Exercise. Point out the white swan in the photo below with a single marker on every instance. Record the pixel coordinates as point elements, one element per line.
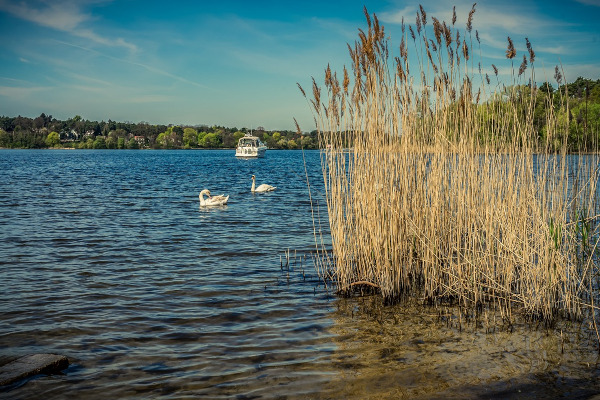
<point>212,200</point>
<point>262,188</point>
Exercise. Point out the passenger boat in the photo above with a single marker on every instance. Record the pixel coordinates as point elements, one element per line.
<point>250,146</point>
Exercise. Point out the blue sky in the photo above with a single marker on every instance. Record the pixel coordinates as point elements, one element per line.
<point>237,63</point>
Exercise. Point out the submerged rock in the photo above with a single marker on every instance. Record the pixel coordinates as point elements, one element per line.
<point>30,365</point>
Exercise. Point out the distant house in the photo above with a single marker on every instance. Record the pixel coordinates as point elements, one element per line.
<point>141,140</point>
<point>69,135</point>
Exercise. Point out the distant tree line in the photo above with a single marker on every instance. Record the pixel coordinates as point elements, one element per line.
<point>582,119</point>
<point>579,122</point>
<point>48,132</point>
<point>584,113</point>
<point>576,106</point>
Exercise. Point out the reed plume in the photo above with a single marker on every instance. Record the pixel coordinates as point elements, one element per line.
<point>557,75</point>
<point>470,18</point>
<point>423,15</point>
<point>523,66</point>
<point>530,50</point>
<point>510,51</point>
<point>439,189</point>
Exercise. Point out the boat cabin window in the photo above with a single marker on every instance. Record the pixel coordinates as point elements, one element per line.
<point>251,143</point>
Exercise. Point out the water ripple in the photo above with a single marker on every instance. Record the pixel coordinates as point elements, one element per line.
<point>107,257</point>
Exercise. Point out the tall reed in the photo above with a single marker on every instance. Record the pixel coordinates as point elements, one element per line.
<point>438,185</point>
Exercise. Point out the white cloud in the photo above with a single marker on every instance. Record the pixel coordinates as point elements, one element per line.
<point>553,50</point>
<point>573,71</point>
<point>63,15</point>
<point>494,22</point>
<point>395,17</point>
<point>509,18</point>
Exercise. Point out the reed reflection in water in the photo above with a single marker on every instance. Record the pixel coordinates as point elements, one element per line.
<point>412,352</point>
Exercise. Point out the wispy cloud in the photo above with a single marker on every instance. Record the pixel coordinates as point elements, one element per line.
<point>141,65</point>
<point>152,98</point>
<point>20,81</point>
<point>595,3</point>
<point>493,22</point>
<point>552,35</point>
<point>20,92</point>
<point>119,42</point>
<point>508,18</point>
<point>88,79</point>
<point>572,70</point>
<point>90,89</point>
<point>275,47</point>
<point>62,15</point>
<point>406,14</point>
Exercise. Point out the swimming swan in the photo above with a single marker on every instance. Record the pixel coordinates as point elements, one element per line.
<point>212,200</point>
<point>262,188</point>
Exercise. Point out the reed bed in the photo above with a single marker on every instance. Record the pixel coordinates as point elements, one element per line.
<point>439,187</point>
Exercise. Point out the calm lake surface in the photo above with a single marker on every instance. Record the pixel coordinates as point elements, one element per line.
<point>106,257</point>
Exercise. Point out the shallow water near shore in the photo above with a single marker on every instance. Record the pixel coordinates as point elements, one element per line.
<point>106,257</point>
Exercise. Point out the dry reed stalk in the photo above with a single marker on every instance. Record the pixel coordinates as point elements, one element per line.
<point>432,193</point>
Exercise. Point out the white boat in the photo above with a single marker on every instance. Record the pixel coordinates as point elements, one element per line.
<point>250,146</point>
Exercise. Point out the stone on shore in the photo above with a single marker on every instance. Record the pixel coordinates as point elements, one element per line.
<point>30,365</point>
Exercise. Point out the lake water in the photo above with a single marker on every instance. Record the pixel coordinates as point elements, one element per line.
<point>106,257</point>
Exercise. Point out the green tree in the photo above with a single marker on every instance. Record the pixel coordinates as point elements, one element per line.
<point>170,138</point>
<point>4,138</point>
<point>53,139</point>
<point>237,136</point>
<point>282,144</point>
<point>121,143</point>
<point>307,142</point>
<point>119,132</point>
<point>595,94</point>
<point>546,88</point>
<point>190,137</point>
<point>162,140</point>
<point>211,140</point>
<point>201,136</point>
<point>133,144</point>
<point>99,143</point>
<point>228,139</point>
<point>266,137</point>
<point>111,142</point>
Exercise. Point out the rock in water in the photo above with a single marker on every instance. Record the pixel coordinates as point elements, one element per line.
<point>32,364</point>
